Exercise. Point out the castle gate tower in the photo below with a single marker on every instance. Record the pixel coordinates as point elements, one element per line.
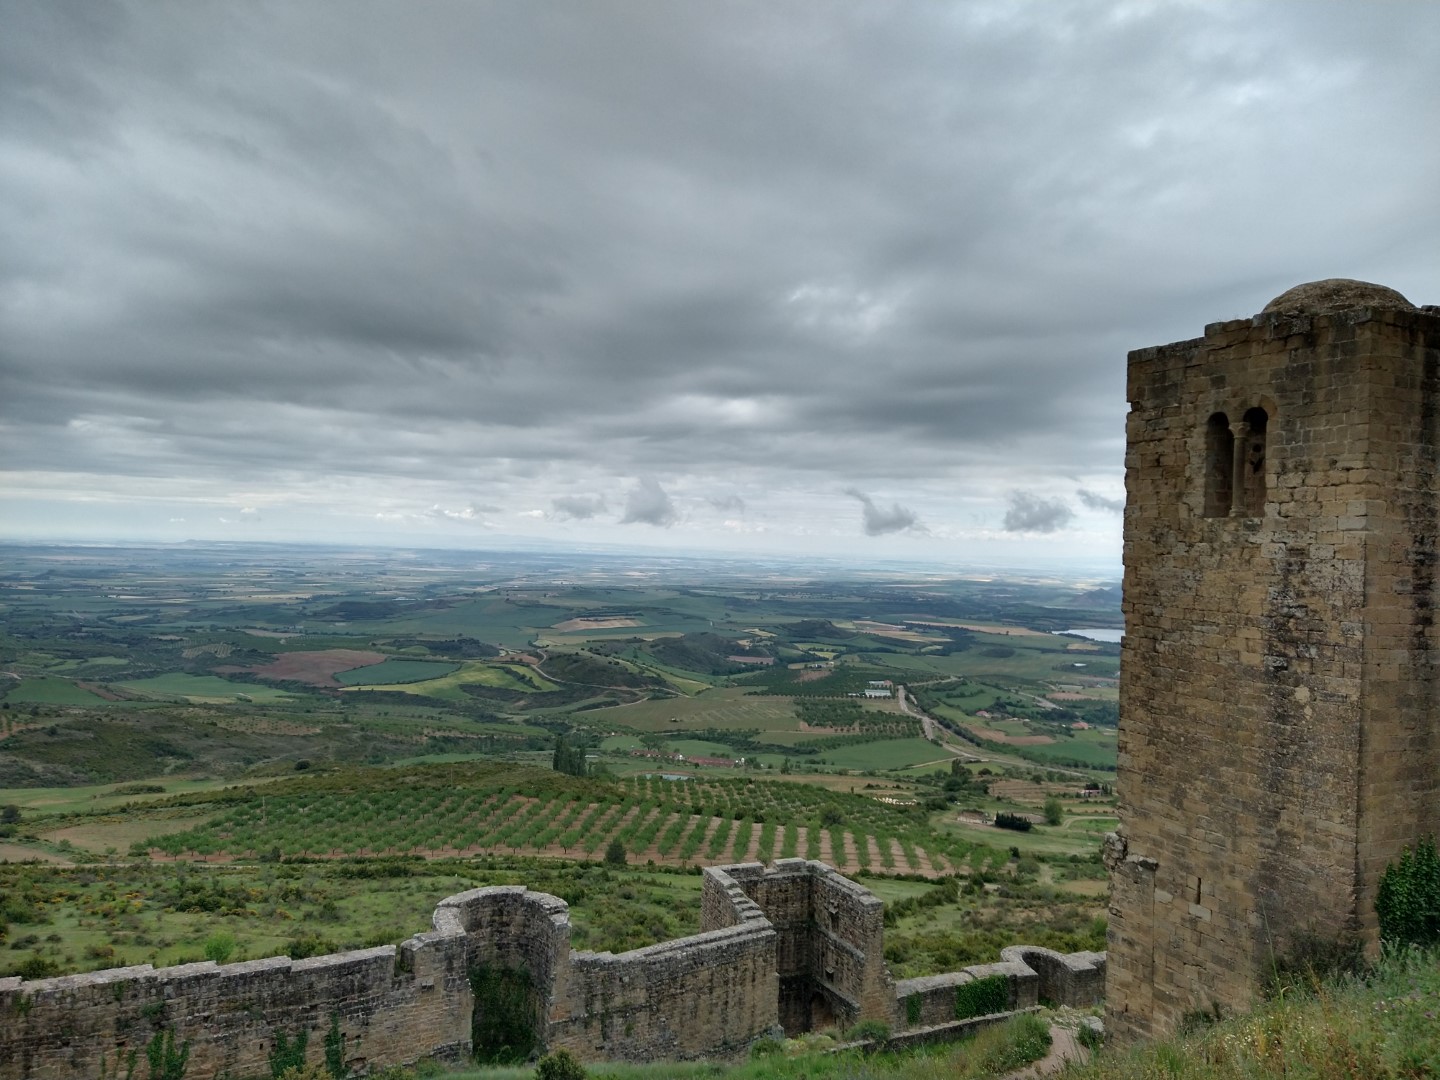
<point>1279,722</point>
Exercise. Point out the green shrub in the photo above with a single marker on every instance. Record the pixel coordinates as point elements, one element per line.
<point>912,1009</point>
<point>1054,811</point>
<point>982,997</point>
<point>308,944</point>
<point>220,946</point>
<point>36,967</point>
<point>767,1046</point>
<point>1408,901</point>
<point>876,1031</point>
<point>559,1065</point>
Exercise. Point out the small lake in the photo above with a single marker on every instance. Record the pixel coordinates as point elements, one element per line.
<point>1095,633</point>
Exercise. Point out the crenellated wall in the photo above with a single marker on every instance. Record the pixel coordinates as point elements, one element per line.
<point>796,946</point>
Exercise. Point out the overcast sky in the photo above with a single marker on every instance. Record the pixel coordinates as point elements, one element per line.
<point>855,278</point>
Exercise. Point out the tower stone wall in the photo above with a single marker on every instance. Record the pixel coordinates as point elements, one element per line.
<point>1278,734</point>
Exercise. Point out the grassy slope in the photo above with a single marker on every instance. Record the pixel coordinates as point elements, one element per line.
<point>1384,1027</point>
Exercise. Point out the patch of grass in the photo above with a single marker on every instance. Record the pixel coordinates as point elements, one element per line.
<point>449,686</point>
<point>129,913</point>
<point>885,754</point>
<point>48,690</point>
<point>1380,1026</point>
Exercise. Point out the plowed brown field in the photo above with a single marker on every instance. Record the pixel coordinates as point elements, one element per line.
<point>316,668</point>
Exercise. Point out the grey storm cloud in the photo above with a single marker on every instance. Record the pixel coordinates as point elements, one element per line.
<point>648,504</point>
<point>878,521</point>
<point>1032,513</point>
<point>1100,502</point>
<point>578,507</point>
<point>727,504</point>
<point>418,256</point>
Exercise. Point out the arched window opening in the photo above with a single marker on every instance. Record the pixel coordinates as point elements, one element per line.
<point>1219,466</point>
<point>1255,422</point>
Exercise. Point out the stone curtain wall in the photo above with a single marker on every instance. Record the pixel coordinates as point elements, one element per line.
<point>1277,745</point>
<point>707,996</point>
<point>1034,976</point>
<point>798,929</point>
<point>58,1029</point>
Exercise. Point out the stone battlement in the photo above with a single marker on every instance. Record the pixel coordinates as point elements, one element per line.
<point>789,948</point>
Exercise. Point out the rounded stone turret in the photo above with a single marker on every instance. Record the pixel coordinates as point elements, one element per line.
<point>1335,294</point>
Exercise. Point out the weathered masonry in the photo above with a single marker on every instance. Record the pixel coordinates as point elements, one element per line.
<point>1278,726</point>
<point>788,948</point>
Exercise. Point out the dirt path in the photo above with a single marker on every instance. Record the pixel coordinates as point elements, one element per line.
<point>802,841</point>
<point>1064,1047</point>
<point>752,853</point>
<point>902,861</point>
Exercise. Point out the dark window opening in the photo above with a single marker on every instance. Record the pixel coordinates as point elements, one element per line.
<point>1219,465</point>
<point>1254,424</point>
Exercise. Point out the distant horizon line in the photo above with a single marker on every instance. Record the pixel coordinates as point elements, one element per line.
<point>1086,566</point>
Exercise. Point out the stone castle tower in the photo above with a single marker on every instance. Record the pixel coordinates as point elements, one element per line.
<point>1280,687</point>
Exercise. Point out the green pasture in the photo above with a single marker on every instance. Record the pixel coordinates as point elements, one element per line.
<point>727,709</point>
<point>884,754</point>
<point>620,744</point>
<point>1095,748</point>
<point>88,662</point>
<point>203,688</point>
<point>1041,840</point>
<point>389,672</point>
<point>1095,824</point>
<point>48,690</point>
<point>92,797</point>
<point>490,618</point>
<point>517,677</point>
<point>1027,658</point>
